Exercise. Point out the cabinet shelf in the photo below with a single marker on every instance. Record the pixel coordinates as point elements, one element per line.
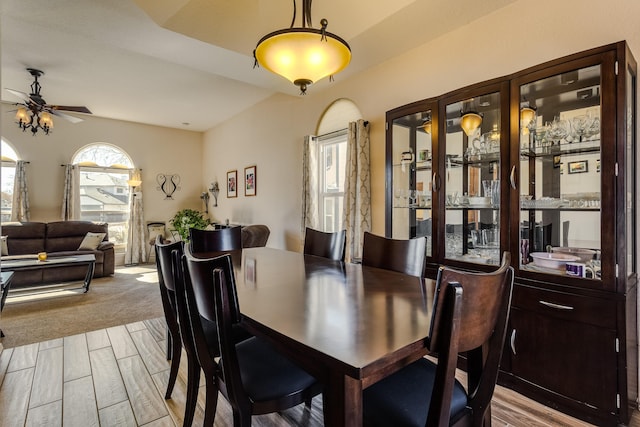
<point>562,149</point>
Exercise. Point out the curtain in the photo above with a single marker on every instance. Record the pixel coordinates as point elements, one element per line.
<point>310,217</point>
<point>357,189</point>
<point>71,199</point>
<point>20,204</point>
<point>136,241</point>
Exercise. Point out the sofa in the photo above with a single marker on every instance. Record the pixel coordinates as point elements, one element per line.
<point>57,239</point>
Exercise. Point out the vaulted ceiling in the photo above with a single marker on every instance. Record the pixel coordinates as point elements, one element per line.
<point>171,62</point>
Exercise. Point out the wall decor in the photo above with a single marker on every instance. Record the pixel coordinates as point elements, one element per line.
<point>250,181</point>
<point>579,167</point>
<point>168,184</point>
<point>215,190</point>
<point>232,183</point>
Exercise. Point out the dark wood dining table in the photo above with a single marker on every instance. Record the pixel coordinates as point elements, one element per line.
<point>347,324</point>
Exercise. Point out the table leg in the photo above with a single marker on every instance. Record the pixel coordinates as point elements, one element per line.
<point>343,405</point>
<point>89,276</point>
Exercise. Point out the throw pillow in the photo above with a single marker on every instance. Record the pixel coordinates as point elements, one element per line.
<point>5,247</point>
<point>91,241</point>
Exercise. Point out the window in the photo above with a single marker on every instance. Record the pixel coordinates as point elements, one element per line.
<point>104,193</point>
<point>333,154</point>
<point>9,158</point>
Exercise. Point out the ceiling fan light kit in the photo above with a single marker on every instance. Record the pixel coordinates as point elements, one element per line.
<point>35,114</point>
<point>303,55</point>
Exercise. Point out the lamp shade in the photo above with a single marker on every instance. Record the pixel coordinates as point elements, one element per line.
<point>303,55</point>
<point>526,115</point>
<point>470,122</point>
<point>23,116</point>
<point>46,121</point>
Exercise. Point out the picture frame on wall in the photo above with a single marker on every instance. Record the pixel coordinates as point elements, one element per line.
<point>250,181</point>
<point>232,183</point>
<point>579,167</point>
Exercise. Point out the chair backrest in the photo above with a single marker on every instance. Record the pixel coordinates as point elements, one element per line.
<point>163,262</point>
<point>200,275</point>
<point>405,256</point>
<point>222,239</point>
<point>470,315</point>
<point>255,236</point>
<point>225,298</point>
<point>170,275</point>
<point>327,245</point>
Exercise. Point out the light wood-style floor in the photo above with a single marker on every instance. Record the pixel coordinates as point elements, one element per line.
<point>117,377</point>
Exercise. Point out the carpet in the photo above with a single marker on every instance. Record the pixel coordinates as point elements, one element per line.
<point>130,295</point>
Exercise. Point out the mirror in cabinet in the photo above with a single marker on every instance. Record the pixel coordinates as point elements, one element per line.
<point>410,151</point>
<point>560,186</point>
<point>473,139</point>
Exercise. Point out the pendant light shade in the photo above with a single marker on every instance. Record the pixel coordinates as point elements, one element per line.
<point>303,55</point>
<point>470,122</point>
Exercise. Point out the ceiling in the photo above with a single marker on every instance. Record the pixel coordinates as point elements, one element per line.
<point>188,64</point>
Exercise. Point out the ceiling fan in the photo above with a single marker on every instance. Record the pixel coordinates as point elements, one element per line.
<point>34,113</point>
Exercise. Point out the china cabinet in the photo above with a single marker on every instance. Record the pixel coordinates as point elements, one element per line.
<point>541,163</point>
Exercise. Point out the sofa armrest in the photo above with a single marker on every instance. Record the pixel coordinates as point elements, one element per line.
<point>109,262</point>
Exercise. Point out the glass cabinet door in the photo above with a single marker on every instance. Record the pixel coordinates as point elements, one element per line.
<point>561,173</point>
<point>472,176</point>
<point>409,188</point>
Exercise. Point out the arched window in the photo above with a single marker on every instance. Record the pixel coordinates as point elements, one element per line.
<point>104,170</point>
<point>9,158</point>
<point>332,155</point>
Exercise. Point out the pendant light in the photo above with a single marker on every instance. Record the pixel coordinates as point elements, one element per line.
<point>470,122</point>
<point>303,55</point>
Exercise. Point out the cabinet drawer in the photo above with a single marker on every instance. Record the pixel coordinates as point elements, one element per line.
<point>562,305</point>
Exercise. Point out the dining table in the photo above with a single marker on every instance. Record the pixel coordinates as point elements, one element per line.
<point>347,324</point>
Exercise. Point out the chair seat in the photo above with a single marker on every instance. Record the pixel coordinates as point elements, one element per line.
<point>402,399</point>
<point>268,375</point>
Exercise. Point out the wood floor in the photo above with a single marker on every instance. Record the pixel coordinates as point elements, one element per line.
<point>117,377</point>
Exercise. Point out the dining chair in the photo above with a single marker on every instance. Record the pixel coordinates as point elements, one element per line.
<point>171,279</point>
<point>255,236</point>
<point>470,316</point>
<point>203,329</point>
<point>327,245</point>
<point>405,256</point>
<point>251,374</point>
<point>220,239</point>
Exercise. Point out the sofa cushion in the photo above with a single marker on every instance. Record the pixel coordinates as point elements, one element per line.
<point>91,241</point>
<point>24,237</point>
<point>67,235</point>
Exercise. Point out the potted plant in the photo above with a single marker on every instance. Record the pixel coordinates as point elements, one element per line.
<point>185,219</point>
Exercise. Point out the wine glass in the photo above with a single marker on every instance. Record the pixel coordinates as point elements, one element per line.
<point>558,130</point>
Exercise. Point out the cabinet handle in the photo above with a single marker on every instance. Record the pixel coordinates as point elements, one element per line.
<point>556,306</point>
<point>434,187</point>
<point>512,177</point>
<point>513,341</point>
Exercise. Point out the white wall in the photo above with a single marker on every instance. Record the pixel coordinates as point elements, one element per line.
<point>154,149</point>
<point>270,134</point>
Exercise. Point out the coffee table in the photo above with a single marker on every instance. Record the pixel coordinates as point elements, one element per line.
<point>67,261</point>
<point>5,284</point>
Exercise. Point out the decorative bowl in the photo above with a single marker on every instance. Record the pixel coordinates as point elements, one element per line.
<point>479,201</point>
<point>585,255</point>
<point>552,260</point>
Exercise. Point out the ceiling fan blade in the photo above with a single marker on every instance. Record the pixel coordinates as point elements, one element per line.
<point>69,108</point>
<point>19,94</point>
<point>68,117</point>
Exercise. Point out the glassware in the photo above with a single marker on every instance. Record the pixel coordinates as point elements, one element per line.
<point>580,125</point>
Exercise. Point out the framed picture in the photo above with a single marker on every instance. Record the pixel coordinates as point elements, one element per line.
<point>556,161</point>
<point>579,167</point>
<point>232,183</point>
<point>250,181</point>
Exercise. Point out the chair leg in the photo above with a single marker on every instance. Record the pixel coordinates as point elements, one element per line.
<point>211,402</point>
<point>307,402</point>
<point>169,344</point>
<point>193,383</point>
<point>241,418</point>
<point>176,352</point>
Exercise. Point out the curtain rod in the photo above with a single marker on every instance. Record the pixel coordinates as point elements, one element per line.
<point>104,167</point>
<point>338,132</point>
